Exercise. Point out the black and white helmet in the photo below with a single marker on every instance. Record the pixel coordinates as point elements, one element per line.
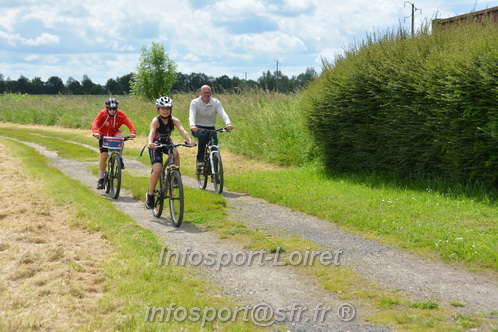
<point>111,102</point>
<point>164,102</point>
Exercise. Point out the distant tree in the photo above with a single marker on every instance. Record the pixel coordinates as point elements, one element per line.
<point>196,80</point>
<point>125,83</point>
<point>113,86</point>
<point>2,84</point>
<point>267,81</point>
<point>54,85</point>
<point>8,85</point>
<point>20,86</point>
<point>307,77</point>
<point>181,84</point>
<point>90,88</point>
<point>37,86</point>
<point>156,73</point>
<point>223,83</point>
<point>73,87</point>
<point>283,83</point>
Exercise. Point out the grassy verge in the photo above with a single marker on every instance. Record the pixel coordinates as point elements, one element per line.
<point>456,229</point>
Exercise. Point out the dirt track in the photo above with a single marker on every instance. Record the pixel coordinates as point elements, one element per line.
<point>283,286</point>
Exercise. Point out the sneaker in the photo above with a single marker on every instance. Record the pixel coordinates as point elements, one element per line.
<point>100,184</point>
<point>198,169</point>
<point>122,163</point>
<point>149,201</point>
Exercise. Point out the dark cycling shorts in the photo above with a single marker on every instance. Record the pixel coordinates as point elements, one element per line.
<point>156,156</point>
<point>101,139</point>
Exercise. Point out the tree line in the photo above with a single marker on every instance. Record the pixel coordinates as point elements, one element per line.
<point>185,83</point>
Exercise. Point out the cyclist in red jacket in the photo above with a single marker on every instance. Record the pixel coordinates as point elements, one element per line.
<point>107,123</point>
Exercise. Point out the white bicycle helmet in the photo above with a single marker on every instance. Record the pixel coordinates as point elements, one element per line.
<point>164,102</point>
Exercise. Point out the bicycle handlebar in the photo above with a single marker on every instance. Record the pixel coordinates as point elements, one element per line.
<point>212,130</point>
<point>160,145</point>
<point>125,138</point>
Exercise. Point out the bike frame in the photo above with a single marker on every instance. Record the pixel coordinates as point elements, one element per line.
<point>112,151</point>
<point>211,169</point>
<point>211,149</point>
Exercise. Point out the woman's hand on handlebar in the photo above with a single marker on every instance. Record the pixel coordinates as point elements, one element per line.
<point>152,145</point>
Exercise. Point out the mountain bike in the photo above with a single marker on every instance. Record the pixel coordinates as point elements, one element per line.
<point>170,187</point>
<point>112,172</point>
<point>212,165</point>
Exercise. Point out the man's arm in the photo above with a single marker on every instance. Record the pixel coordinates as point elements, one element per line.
<point>224,116</point>
<point>192,113</point>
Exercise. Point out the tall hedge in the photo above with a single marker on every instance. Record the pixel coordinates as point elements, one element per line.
<point>414,107</point>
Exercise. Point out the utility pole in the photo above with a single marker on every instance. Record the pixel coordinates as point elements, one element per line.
<point>413,15</point>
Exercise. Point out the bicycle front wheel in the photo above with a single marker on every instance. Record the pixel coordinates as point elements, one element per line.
<point>159,197</point>
<point>176,200</point>
<point>107,179</point>
<point>202,177</point>
<point>115,176</point>
<point>218,173</point>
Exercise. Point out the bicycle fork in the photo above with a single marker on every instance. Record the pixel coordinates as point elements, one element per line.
<point>212,150</point>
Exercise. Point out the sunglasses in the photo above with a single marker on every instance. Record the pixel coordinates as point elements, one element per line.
<point>112,108</point>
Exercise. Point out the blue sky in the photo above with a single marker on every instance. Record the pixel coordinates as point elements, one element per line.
<point>243,38</point>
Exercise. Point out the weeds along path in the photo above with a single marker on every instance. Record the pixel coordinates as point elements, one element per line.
<point>284,286</point>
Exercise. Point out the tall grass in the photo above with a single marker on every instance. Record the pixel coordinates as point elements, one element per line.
<point>268,126</point>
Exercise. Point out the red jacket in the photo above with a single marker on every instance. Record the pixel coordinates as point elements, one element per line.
<point>108,125</point>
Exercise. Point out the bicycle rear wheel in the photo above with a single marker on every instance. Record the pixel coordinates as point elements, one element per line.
<point>202,178</point>
<point>176,199</point>
<point>159,197</point>
<point>217,176</point>
<point>115,176</point>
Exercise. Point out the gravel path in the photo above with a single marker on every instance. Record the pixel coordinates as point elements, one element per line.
<point>283,286</point>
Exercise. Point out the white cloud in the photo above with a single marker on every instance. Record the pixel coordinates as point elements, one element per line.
<point>235,9</point>
<point>268,42</point>
<point>43,39</point>
<point>11,38</point>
